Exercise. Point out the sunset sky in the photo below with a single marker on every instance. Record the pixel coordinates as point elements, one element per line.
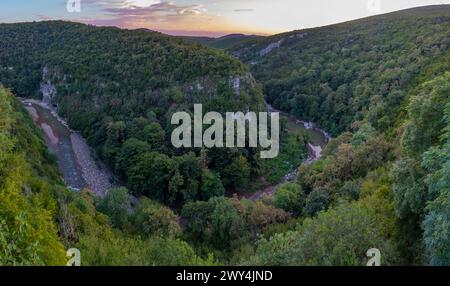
<point>205,17</point>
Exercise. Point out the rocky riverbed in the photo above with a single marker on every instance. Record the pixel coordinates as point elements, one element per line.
<point>75,158</point>
<point>318,139</point>
<point>95,174</point>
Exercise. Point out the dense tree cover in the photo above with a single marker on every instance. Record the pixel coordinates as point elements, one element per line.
<point>149,236</point>
<point>337,75</point>
<point>225,42</point>
<point>421,177</point>
<point>120,88</point>
<point>382,183</point>
<point>368,193</point>
<point>381,85</point>
<point>124,112</point>
<point>40,218</point>
<point>28,234</point>
<point>228,227</point>
<point>289,197</point>
<point>340,236</point>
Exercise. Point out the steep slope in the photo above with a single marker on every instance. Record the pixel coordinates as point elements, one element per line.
<point>28,232</point>
<point>120,88</point>
<point>40,218</point>
<point>385,185</point>
<point>337,75</point>
<point>385,79</point>
<point>358,198</point>
<point>225,42</point>
<point>95,63</point>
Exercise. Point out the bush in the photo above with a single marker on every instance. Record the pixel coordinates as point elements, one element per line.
<point>290,197</point>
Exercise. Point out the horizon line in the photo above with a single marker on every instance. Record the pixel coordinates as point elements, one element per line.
<point>218,34</point>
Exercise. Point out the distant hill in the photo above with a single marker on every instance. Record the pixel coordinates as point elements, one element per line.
<point>117,85</point>
<point>381,86</point>
<point>225,42</point>
<point>338,74</point>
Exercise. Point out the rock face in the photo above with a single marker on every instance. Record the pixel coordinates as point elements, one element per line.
<point>277,45</point>
<point>270,48</point>
<point>315,153</point>
<point>236,83</point>
<point>48,90</point>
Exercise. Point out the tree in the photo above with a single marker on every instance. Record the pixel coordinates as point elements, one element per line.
<point>211,185</point>
<point>349,190</point>
<point>116,204</point>
<point>425,114</point>
<point>236,174</point>
<point>217,223</point>
<point>28,177</point>
<point>370,155</point>
<point>436,224</point>
<point>155,136</point>
<point>317,200</point>
<point>197,214</point>
<point>436,227</point>
<point>114,139</point>
<point>290,197</point>
<point>190,170</point>
<point>135,128</point>
<point>342,164</point>
<point>151,175</point>
<point>175,183</point>
<point>262,215</point>
<point>129,154</point>
<point>226,228</point>
<point>339,236</point>
<point>152,219</point>
<point>222,219</point>
<point>410,193</point>
<point>172,252</point>
<point>364,132</point>
<point>12,244</point>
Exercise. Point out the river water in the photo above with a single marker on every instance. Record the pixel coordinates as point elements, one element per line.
<point>75,159</point>
<point>80,170</point>
<point>318,139</point>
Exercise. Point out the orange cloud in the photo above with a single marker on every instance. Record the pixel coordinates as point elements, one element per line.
<point>165,16</point>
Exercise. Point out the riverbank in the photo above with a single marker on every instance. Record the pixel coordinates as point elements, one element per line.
<point>318,139</point>
<point>75,158</point>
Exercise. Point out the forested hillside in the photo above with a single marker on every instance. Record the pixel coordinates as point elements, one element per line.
<point>389,189</point>
<point>382,86</point>
<point>28,234</point>
<point>338,75</point>
<point>40,219</point>
<point>120,88</point>
<point>225,42</point>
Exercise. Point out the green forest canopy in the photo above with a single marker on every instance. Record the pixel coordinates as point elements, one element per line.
<point>380,85</point>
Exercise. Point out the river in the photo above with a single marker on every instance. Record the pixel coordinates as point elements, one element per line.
<point>75,159</point>
<point>318,138</point>
<point>80,170</point>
